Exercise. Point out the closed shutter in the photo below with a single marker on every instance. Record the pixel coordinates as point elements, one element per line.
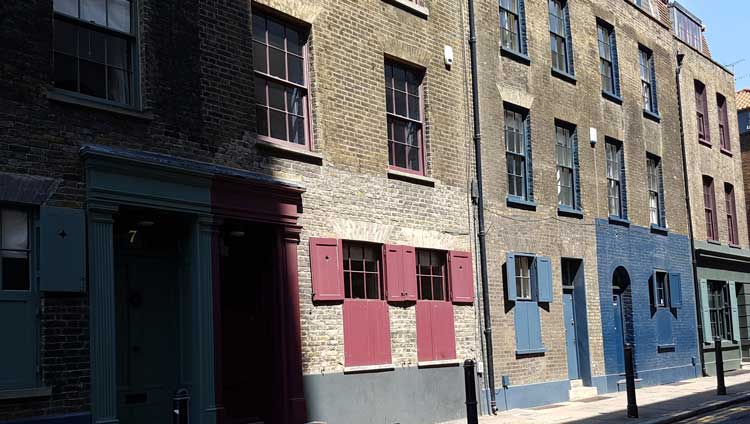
<point>510,277</point>
<point>394,272</point>
<point>19,335</point>
<point>62,250</point>
<point>544,279</point>
<point>735,311</point>
<point>576,172</point>
<point>664,327</point>
<point>461,277</point>
<point>707,335</point>
<point>615,62</point>
<point>654,91</point>
<point>528,328</point>
<point>425,347</point>
<point>522,19</point>
<point>675,290</point>
<point>410,274</point>
<point>436,334</point>
<point>326,267</point>
<point>367,337</point>
<point>529,158</point>
<point>569,40</point>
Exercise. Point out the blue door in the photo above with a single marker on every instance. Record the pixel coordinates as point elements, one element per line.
<point>619,333</point>
<point>571,341</point>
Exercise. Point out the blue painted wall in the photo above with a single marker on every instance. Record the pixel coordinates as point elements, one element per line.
<point>640,251</point>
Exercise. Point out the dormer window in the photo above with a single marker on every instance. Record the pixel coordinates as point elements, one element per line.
<point>687,27</point>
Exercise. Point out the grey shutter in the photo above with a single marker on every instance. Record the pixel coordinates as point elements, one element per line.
<point>615,62</point>
<point>735,311</point>
<point>623,183</point>
<point>569,40</point>
<point>522,18</point>
<point>654,91</point>
<point>576,172</point>
<point>529,158</point>
<point>707,335</point>
<point>664,327</point>
<point>510,276</point>
<point>675,290</point>
<point>62,249</point>
<point>662,203</point>
<point>544,279</point>
<point>654,291</point>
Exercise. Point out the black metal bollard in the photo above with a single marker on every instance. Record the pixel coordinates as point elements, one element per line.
<point>181,407</point>
<point>721,389</point>
<point>630,381</point>
<point>472,416</point>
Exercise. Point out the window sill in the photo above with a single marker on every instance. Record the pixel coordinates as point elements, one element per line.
<point>726,152</point>
<point>716,242</point>
<point>25,393</point>
<point>564,76</point>
<point>369,368</point>
<point>514,55</point>
<point>705,142</point>
<point>612,97</point>
<point>85,101</point>
<point>616,220</point>
<point>291,152</point>
<point>657,229</point>
<point>531,351</point>
<point>441,363</point>
<point>665,348</point>
<point>411,7</point>
<point>411,178</point>
<point>652,116</point>
<point>569,212</point>
<point>517,202</point>
<point>735,246</point>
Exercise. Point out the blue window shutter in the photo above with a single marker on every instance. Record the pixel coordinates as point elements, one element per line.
<point>735,311</point>
<point>569,40</point>
<point>522,24</point>
<point>662,203</point>
<point>576,172</point>
<point>652,286</point>
<point>510,276</point>
<point>623,183</point>
<point>544,279</point>
<point>62,249</point>
<point>535,327</point>
<point>654,96</point>
<point>664,327</point>
<point>707,335</point>
<point>529,159</point>
<point>615,62</point>
<point>521,320</point>
<point>675,290</point>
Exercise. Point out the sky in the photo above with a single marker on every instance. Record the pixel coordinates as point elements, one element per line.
<point>728,32</point>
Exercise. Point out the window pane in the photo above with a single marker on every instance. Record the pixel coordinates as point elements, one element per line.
<point>93,79</point>
<point>118,53</point>
<point>66,37</point>
<point>294,42</point>
<point>400,103</point>
<point>69,7</point>
<point>94,11</point>
<point>296,69</point>
<point>358,285</point>
<point>15,229</point>
<point>277,63</point>
<point>259,57</point>
<point>399,152</point>
<point>275,33</point>
<point>296,129</point>
<point>276,93</point>
<point>295,101</point>
<point>412,80</point>
<point>373,291</point>
<point>278,124</point>
<point>260,91</point>
<point>259,28</point>
<point>15,271</point>
<point>262,120</point>
<point>425,284</point>
<point>118,86</point>
<point>399,76</point>
<point>414,111</point>
<point>91,45</point>
<point>389,100</point>
<point>438,288</point>
<point>119,15</point>
<point>66,72</point>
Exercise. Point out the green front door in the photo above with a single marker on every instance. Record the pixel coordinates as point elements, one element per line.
<point>148,350</point>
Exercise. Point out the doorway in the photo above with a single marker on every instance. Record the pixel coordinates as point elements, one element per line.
<point>622,316</point>
<point>149,287</point>
<point>575,319</point>
<point>250,379</point>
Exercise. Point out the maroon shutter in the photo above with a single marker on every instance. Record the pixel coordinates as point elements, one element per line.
<point>394,266</point>
<point>380,332</point>
<point>461,278</point>
<point>425,351</point>
<point>410,274</point>
<point>356,336</point>
<point>443,331</point>
<point>326,267</point>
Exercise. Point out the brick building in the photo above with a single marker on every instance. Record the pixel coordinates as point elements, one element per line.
<point>743,120</point>
<point>585,209</point>
<point>714,180</point>
<point>264,204</point>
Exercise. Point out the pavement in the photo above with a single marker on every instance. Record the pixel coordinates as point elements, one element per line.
<point>668,403</point>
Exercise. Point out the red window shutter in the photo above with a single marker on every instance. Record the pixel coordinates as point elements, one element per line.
<point>410,274</point>
<point>443,331</point>
<point>461,277</point>
<point>326,268</point>
<point>425,351</point>
<point>380,332</point>
<point>367,333</point>
<point>394,266</point>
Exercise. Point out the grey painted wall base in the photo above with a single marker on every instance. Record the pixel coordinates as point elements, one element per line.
<point>82,418</point>
<point>404,395</point>
<point>529,395</point>
<point>608,383</point>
